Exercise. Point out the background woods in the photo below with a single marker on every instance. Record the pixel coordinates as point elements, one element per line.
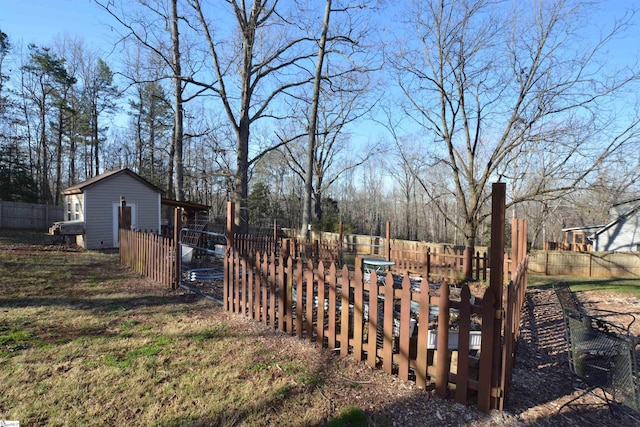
<point>313,113</point>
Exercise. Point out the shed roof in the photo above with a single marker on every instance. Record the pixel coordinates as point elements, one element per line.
<point>189,206</point>
<point>82,186</point>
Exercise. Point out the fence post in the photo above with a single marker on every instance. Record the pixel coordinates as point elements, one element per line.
<point>177,226</point>
<point>467,270</point>
<point>387,242</point>
<point>229,254</point>
<point>496,278</point>
<point>341,235</point>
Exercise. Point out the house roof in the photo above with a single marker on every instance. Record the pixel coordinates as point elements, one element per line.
<point>82,186</point>
<point>622,216</point>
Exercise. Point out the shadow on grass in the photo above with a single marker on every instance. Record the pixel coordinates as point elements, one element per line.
<point>97,305</point>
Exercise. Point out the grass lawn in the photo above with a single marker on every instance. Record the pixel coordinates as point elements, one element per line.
<point>84,341</point>
<point>620,285</point>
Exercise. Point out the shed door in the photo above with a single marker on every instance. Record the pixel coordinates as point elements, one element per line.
<point>116,213</point>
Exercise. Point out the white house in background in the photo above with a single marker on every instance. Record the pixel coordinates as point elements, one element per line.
<point>96,201</point>
<point>623,232</point>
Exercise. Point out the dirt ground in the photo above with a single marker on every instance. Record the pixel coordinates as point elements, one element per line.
<point>543,391</point>
<point>542,384</point>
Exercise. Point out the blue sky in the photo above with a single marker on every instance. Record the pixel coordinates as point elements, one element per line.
<point>41,21</point>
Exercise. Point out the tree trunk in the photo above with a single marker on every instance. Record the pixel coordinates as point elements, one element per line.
<point>470,232</point>
<point>242,176</point>
<point>94,137</point>
<point>177,101</point>
<point>56,198</point>
<point>313,125</point>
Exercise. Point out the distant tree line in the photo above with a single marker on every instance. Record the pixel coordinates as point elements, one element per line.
<point>312,113</point>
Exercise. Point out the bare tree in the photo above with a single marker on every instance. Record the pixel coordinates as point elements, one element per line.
<point>313,123</point>
<point>266,62</point>
<point>494,84</point>
<point>150,27</point>
<point>340,95</point>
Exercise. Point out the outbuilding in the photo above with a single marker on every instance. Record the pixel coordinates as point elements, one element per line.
<point>96,202</point>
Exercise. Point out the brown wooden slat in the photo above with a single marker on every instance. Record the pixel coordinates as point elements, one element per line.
<point>464,321</point>
<point>387,347</point>
<point>373,324</point>
<point>289,299</point>
<point>320,322</point>
<point>405,321</point>
<point>272,291</point>
<point>299,305</point>
<point>282,295</point>
<point>308,324</point>
<point>344,311</point>
<point>442,354</point>
<point>358,306</point>
<point>331,332</point>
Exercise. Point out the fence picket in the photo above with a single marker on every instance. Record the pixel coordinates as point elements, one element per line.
<point>331,333</point>
<point>405,336</point>
<point>387,328</point>
<point>358,307</point>
<point>344,311</point>
<point>464,326</point>
<point>320,322</point>
<point>309,301</point>
<point>282,294</point>
<point>442,354</point>
<point>289,298</point>
<point>273,321</point>
<point>299,305</point>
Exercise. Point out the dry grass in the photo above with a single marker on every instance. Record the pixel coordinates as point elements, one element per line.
<point>84,341</point>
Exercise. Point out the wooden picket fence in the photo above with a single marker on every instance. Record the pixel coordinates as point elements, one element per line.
<point>250,244</point>
<point>338,309</point>
<point>379,321</point>
<point>448,265</point>
<point>150,255</point>
<point>372,321</point>
<point>315,250</point>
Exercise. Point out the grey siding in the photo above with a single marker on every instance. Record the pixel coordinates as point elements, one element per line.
<point>624,235</point>
<point>98,208</point>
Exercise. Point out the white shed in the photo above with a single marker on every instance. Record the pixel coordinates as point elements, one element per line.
<point>96,201</point>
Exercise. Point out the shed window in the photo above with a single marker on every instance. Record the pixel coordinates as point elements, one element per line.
<point>77,211</point>
<point>69,211</point>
